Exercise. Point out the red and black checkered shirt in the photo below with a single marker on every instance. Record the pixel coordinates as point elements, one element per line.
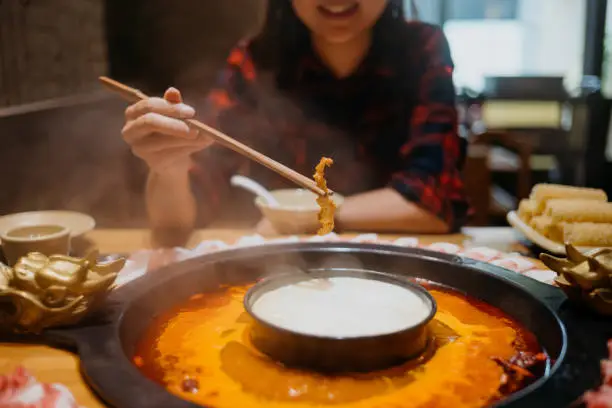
<point>380,130</point>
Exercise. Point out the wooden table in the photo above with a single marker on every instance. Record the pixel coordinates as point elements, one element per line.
<point>53,365</point>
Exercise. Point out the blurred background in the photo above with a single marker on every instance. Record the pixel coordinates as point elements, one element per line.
<point>533,79</point>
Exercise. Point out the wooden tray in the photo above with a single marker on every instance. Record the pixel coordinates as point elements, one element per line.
<point>538,239</point>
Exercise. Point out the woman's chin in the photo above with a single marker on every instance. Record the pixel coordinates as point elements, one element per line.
<point>339,35</point>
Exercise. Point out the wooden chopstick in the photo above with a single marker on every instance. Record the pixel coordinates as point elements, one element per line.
<point>134,95</point>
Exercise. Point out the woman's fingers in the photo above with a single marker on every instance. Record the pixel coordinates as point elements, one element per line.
<point>159,106</point>
<point>150,123</point>
<point>155,132</point>
<point>173,95</point>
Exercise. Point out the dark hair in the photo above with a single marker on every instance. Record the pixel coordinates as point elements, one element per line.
<point>284,37</point>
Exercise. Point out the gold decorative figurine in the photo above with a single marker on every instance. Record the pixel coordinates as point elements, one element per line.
<point>41,292</point>
<point>585,277</point>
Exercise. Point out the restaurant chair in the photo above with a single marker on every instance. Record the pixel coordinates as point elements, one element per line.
<point>496,152</point>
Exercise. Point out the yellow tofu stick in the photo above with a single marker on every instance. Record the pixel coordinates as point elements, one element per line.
<point>542,224</point>
<point>588,234</point>
<point>526,210</point>
<point>556,232</point>
<point>541,193</point>
<point>564,210</point>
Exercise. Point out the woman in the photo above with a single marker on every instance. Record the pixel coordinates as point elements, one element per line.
<point>349,79</point>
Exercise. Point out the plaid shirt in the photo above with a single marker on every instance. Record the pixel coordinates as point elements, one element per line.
<point>380,133</point>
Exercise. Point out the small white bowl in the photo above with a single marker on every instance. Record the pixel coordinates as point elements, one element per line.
<point>297,211</point>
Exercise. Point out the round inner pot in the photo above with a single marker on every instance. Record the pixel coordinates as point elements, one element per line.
<point>338,353</point>
<point>106,342</point>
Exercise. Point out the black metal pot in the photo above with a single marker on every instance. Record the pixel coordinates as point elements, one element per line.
<point>107,341</point>
<point>338,354</point>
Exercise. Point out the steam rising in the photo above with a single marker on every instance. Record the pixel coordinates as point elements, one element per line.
<point>72,157</point>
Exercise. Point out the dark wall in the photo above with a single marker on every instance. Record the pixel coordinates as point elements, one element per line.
<point>71,156</point>
<point>158,43</point>
<point>50,49</point>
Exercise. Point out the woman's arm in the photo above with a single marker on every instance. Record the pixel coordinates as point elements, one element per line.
<point>191,194</point>
<point>171,207</point>
<point>426,195</point>
<point>385,210</point>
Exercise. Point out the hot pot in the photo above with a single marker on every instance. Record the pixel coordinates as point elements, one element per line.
<point>574,339</point>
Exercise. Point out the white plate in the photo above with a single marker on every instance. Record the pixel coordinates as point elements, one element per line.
<point>77,223</point>
<point>537,238</point>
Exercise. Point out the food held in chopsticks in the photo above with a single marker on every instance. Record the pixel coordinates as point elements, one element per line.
<point>564,214</point>
<point>326,204</point>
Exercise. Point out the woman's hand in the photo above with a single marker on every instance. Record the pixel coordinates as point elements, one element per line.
<point>155,132</point>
